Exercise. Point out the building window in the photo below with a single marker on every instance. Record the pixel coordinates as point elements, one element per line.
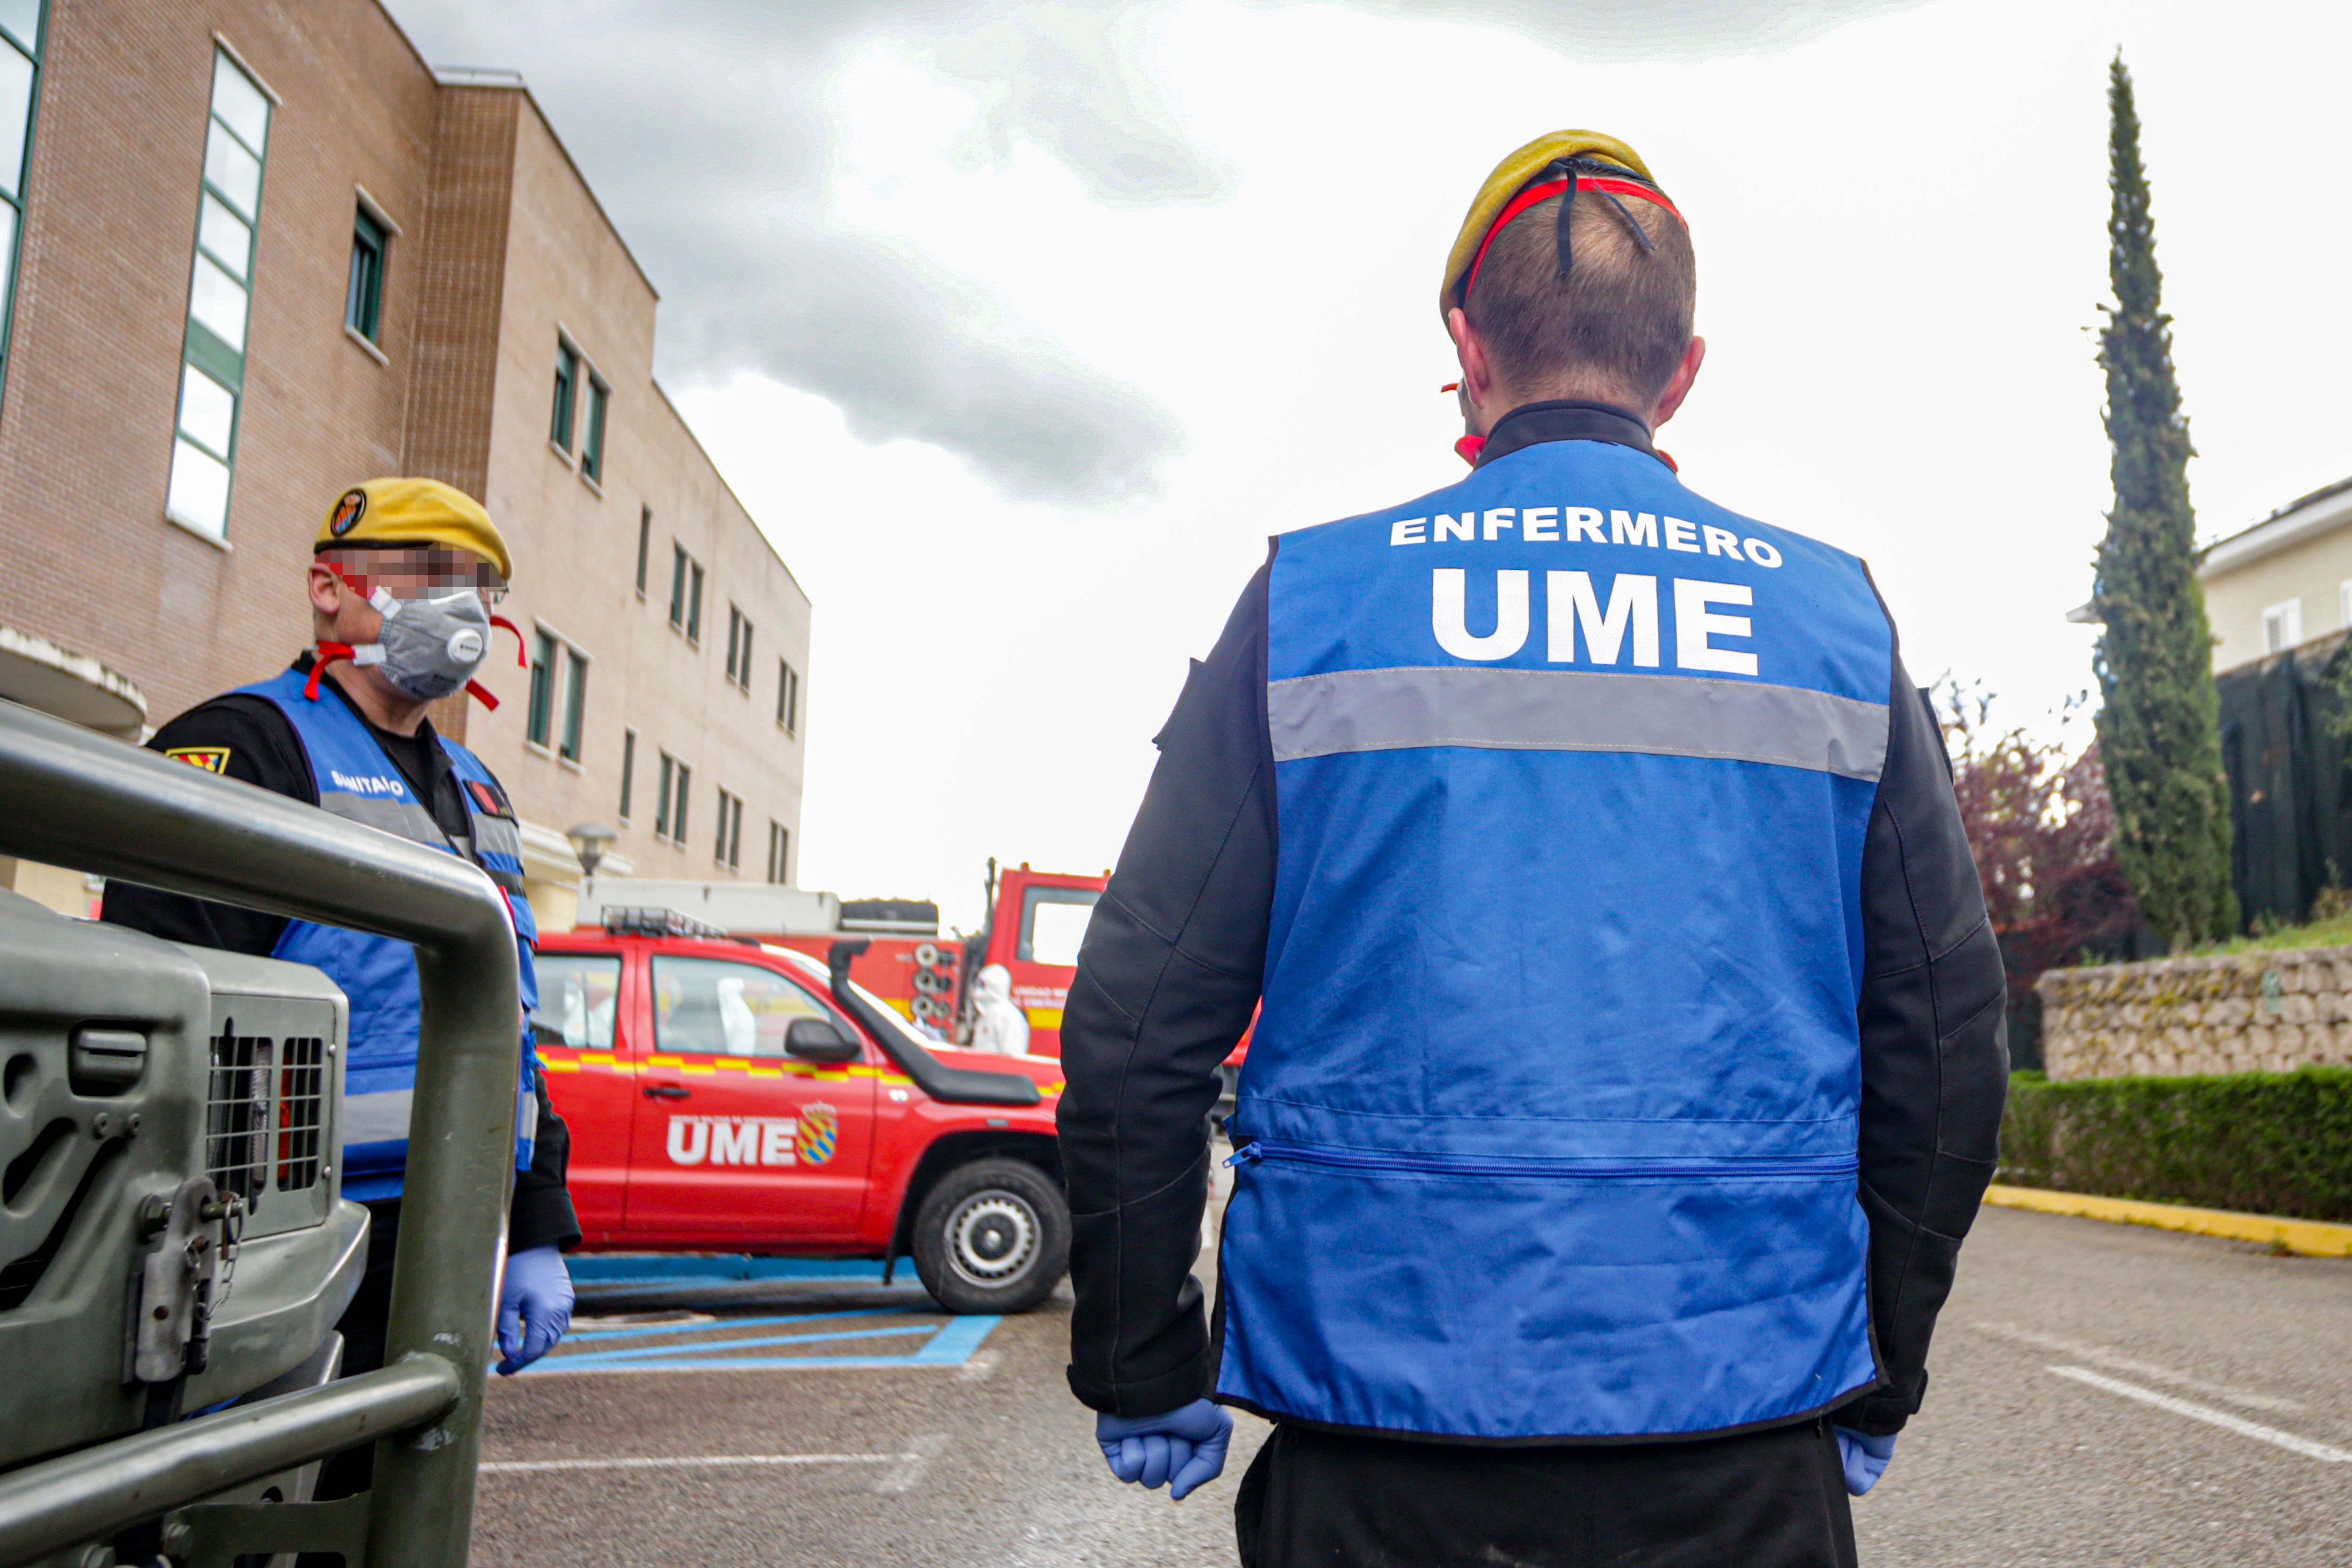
<point>739,648</point>
<point>788,697</point>
<point>645,545</point>
<point>575,704</point>
<point>542,717</point>
<point>567,393</point>
<point>2282,626</point>
<point>729,851</point>
<point>20,70</point>
<point>685,594</point>
<point>212,372</point>
<point>628,769</point>
<point>364,301</point>
<point>591,440</point>
<point>669,810</point>
<point>779,844</point>
<point>2344,606</point>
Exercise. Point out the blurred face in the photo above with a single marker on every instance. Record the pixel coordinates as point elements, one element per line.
<point>342,582</point>
<point>423,572</point>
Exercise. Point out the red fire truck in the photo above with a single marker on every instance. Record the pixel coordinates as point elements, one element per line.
<point>1036,921</point>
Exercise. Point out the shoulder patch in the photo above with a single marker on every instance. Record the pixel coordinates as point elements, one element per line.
<point>488,799</point>
<point>211,758</point>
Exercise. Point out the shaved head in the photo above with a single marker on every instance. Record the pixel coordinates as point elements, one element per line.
<point>1614,330</point>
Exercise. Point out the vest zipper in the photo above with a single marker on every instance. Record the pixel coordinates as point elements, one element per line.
<point>1468,1165</point>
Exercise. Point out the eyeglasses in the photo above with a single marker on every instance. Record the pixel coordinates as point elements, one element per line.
<point>415,572</point>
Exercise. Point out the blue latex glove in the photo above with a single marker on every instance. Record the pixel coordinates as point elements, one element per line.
<point>1185,1447</point>
<point>534,1307</point>
<point>1865,1458</point>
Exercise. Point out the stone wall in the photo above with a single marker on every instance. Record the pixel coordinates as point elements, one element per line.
<point>2246,1012</point>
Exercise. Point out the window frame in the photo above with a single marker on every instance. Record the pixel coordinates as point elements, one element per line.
<point>661,800</point>
<point>645,545</point>
<point>2286,617</point>
<point>780,853</point>
<point>677,564</point>
<point>575,704</point>
<point>539,714</point>
<point>628,767</point>
<point>12,201</point>
<point>788,697</point>
<point>363,286</point>
<point>694,603</point>
<point>203,349</point>
<point>591,434</point>
<point>563,416</point>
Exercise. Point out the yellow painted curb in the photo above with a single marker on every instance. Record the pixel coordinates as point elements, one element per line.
<point>2307,1237</point>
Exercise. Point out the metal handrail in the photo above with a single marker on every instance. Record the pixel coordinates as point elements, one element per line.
<point>68,797</point>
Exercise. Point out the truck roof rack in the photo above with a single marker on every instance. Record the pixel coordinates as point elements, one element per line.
<point>642,921</point>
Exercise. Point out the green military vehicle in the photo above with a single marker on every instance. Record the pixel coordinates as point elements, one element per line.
<point>174,1250</point>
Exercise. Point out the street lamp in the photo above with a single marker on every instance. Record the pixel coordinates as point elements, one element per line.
<point>588,842</point>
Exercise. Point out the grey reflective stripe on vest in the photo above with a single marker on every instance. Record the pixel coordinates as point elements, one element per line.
<point>496,836</point>
<point>1575,710</point>
<point>405,819</point>
<point>376,1118</point>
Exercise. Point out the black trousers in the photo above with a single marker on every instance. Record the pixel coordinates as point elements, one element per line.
<point>1775,1498</point>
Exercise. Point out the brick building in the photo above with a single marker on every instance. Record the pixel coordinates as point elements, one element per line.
<point>262,251</point>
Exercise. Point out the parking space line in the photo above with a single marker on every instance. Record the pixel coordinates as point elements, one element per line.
<point>953,1345</point>
<point>710,1349</point>
<point>2116,1361</point>
<point>705,1324</point>
<point>2207,1414</point>
<point>510,1467</point>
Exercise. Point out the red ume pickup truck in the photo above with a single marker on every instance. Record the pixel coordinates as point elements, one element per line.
<point>728,1095</point>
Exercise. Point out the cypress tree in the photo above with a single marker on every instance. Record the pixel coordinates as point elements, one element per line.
<point>2159,725</point>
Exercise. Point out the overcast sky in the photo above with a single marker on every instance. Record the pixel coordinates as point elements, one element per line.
<point>1019,327</point>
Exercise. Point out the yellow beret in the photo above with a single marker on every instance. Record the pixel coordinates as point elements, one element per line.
<point>1509,176</point>
<point>413,512</point>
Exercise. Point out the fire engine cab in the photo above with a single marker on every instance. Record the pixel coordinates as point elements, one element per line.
<point>726,1093</point>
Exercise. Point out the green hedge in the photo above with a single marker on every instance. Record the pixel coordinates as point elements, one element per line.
<point>2259,1142</point>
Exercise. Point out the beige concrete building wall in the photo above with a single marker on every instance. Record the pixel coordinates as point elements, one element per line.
<point>569,277</point>
<point>2313,571</point>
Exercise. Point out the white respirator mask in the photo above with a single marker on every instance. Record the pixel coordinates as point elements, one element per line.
<point>428,647</point>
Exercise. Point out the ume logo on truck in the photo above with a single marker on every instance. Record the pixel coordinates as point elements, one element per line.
<point>808,1139</point>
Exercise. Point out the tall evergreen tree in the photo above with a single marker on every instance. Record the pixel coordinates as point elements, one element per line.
<point>2158,727</point>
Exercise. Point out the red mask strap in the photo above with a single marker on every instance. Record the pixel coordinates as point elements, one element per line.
<point>1544,192</point>
<point>1667,458</point>
<point>481,693</point>
<point>1468,448</point>
<point>522,659</point>
<point>327,653</point>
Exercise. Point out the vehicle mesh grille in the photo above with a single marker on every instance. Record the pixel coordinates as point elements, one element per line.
<point>301,1109</point>
<point>236,1112</point>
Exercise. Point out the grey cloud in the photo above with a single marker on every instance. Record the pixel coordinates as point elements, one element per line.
<point>1646,29</point>
<point>703,126</point>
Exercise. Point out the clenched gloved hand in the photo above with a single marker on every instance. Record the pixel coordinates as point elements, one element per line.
<point>1185,1447</point>
<point>1865,1458</point>
<point>534,1307</point>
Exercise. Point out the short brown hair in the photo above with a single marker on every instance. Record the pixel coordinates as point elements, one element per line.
<point>1616,325</point>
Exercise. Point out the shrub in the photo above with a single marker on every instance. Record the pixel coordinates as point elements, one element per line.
<point>2259,1142</point>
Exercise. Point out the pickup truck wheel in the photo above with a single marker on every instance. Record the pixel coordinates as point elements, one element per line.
<point>993,1237</point>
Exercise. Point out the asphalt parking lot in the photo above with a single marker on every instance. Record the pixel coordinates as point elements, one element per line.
<point>2103,1395</point>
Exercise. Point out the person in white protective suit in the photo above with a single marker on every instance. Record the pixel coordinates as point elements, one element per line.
<point>739,1027</point>
<point>1002,1027</point>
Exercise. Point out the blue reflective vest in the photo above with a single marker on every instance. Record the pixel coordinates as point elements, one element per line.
<point>1555,1095</point>
<point>357,781</point>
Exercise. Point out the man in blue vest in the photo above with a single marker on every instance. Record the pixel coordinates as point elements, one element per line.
<point>403,575</point>
<point>1632,1054</point>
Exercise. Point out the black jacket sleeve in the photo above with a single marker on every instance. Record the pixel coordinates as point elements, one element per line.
<point>237,736</point>
<point>1166,985</point>
<point>1935,1052</point>
<point>540,1213</point>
